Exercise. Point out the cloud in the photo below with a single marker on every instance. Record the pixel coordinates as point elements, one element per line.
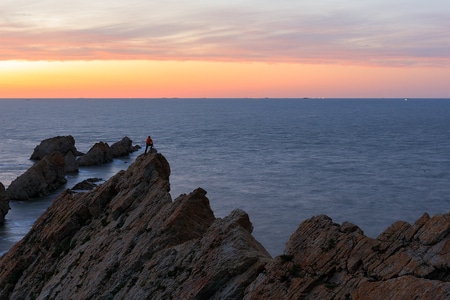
<point>325,31</point>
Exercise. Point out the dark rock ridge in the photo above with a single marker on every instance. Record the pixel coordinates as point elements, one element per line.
<point>324,260</point>
<point>127,239</point>
<point>123,147</point>
<point>4,204</point>
<point>99,154</point>
<point>49,172</point>
<point>102,153</point>
<point>43,177</point>
<point>86,185</point>
<point>70,163</point>
<point>62,144</point>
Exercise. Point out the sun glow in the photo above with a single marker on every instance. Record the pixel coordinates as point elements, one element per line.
<point>156,79</point>
<point>18,65</point>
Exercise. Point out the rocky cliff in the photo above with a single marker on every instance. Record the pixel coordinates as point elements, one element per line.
<point>127,239</point>
<point>324,260</point>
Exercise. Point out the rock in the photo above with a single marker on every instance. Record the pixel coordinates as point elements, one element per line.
<point>99,154</point>
<point>4,204</point>
<point>122,148</point>
<point>71,164</point>
<point>62,144</point>
<point>323,260</point>
<point>86,185</point>
<point>42,178</point>
<point>127,239</point>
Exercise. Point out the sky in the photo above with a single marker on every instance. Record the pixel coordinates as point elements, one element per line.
<point>224,48</point>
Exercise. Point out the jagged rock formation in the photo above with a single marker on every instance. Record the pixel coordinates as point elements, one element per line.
<point>324,260</point>
<point>102,153</point>
<point>99,154</point>
<point>56,158</point>
<point>4,204</point>
<point>127,239</point>
<point>123,147</point>
<point>62,144</point>
<point>86,185</point>
<point>45,176</point>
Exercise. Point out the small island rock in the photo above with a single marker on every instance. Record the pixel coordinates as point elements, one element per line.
<point>45,176</point>
<point>99,154</point>
<point>122,147</point>
<point>62,144</point>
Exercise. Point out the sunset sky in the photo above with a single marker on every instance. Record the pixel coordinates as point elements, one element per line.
<point>224,48</point>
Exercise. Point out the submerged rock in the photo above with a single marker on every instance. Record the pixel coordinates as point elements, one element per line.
<point>42,178</point>
<point>127,239</point>
<point>4,204</point>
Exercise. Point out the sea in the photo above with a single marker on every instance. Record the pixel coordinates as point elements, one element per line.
<point>370,162</point>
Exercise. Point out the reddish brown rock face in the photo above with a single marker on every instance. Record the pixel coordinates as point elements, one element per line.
<point>324,260</point>
<point>127,239</point>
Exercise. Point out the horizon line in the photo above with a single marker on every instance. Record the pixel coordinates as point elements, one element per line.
<point>219,98</point>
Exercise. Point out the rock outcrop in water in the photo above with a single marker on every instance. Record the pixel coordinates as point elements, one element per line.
<point>4,204</point>
<point>99,154</point>
<point>127,239</point>
<point>43,177</point>
<point>62,144</point>
<point>102,153</point>
<point>70,163</point>
<point>56,157</point>
<point>123,147</point>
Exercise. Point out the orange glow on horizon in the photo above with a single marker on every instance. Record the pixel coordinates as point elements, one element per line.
<point>186,79</point>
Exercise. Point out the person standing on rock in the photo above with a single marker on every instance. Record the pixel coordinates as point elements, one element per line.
<point>148,143</point>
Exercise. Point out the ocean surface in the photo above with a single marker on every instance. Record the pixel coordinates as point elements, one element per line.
<point>367,161</point>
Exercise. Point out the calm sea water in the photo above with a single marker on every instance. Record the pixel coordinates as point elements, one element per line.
<point>367,161</point>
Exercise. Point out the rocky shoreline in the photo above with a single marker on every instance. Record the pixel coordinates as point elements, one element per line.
<point>54,158</point>
<point>127,239</point>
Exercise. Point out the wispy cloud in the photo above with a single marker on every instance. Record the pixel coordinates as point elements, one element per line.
<point>325,31</point>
